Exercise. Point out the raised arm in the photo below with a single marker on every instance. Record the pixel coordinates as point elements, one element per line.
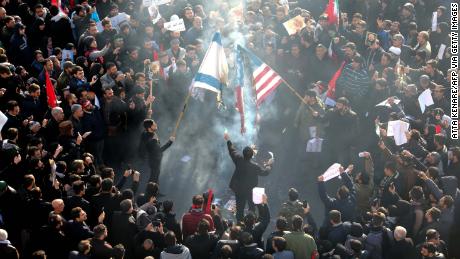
<point>328,201</point>
<point>231,149</point>
<point>168,144</point>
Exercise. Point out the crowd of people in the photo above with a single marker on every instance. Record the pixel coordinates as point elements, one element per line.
<point>117,72</point>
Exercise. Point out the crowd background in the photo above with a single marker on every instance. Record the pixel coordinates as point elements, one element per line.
<point>71,184</point>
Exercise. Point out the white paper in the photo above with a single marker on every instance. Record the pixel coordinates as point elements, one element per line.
<point>434,21</point>
<point>425,99</point>
<point>154,14</point>
<point>146,3</point>
<point>441,50</point>
<point>312,131</point>
<point>160,2</point>
<point>67,54</point>
<point>331,172</point>
<point>386,103</point>
<point>177,25</point>
<point>257,194</point>
<point>3,120</point>
<point>314,145</point>
<point>377,129</point>
<point>185,159</point>
<point>398,130</point>
<point>230,205</point>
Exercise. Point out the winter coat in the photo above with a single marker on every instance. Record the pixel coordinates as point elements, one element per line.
<point>123,229</point>
<point>201,246</point>
<point>61,30</point>
<point>191,219</point>
<point>247,172</point>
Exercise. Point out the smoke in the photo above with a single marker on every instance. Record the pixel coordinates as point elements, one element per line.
<point>199,157</point>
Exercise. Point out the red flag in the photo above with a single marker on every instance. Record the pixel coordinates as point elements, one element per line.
<point>330,95</point>
<point>240,106</point>
<point>52,101</point>
<point>332,11</point>
<point>208,204</point>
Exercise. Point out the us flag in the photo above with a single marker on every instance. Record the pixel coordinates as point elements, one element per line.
<point>265,79</point>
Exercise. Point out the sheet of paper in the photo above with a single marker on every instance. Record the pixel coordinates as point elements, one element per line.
<point>257,194</point>
<point>434,21</point>
<point>3,120</point>
<point>295,24</point>
<point>441,50</point>
<point>386,103</point>
<point>177,25</point>
<point>398,130</point>
<point>154,14</point>
<point>332,172</point>
<point>314,145</point>
<point>146,3</point>
<point>425,99</point>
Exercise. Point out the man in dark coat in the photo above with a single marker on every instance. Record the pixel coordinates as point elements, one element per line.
<point>60,28</point>
<point>245,177</point>
<point>100,248</point>
<point>152,148</point>
<point>123,228</point>
<point>202,243</point>
<point>346,197</point>
<point>93,122</point>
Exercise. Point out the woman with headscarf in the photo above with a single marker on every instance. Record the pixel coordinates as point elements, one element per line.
<point>92,53</point>
<point>38,36</point>
<point>19,52</point>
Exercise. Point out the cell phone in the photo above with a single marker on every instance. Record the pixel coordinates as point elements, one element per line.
<point>156,223</point>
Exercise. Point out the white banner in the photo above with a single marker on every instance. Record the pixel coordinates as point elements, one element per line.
<point>177,25</point>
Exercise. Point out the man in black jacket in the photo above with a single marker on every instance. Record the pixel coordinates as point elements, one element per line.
<point>202,243</point>
<point>123,228</point>
<point>152,148</point>
<point>245,177</point>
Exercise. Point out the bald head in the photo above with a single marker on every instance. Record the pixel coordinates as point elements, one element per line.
<point>58,205</point>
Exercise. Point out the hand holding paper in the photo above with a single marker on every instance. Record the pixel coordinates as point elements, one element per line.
<point>258,195</point>
<point>332,172</point>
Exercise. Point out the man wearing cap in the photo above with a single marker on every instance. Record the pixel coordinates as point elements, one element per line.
<point>176,51</point>
<point>308,117</point>
<point>65,76</point>
<point>342,130</point>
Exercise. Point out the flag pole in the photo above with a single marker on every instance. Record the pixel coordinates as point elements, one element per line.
<point>181,115</point>
<point>297,94</point>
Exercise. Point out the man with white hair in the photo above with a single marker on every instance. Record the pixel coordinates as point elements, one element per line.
<point>52,126</point>
<point>6,249</point>
<point>58,207</point>
<point>403,246</point>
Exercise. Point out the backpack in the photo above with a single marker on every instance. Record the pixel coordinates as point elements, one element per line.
<point>377,242</point>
